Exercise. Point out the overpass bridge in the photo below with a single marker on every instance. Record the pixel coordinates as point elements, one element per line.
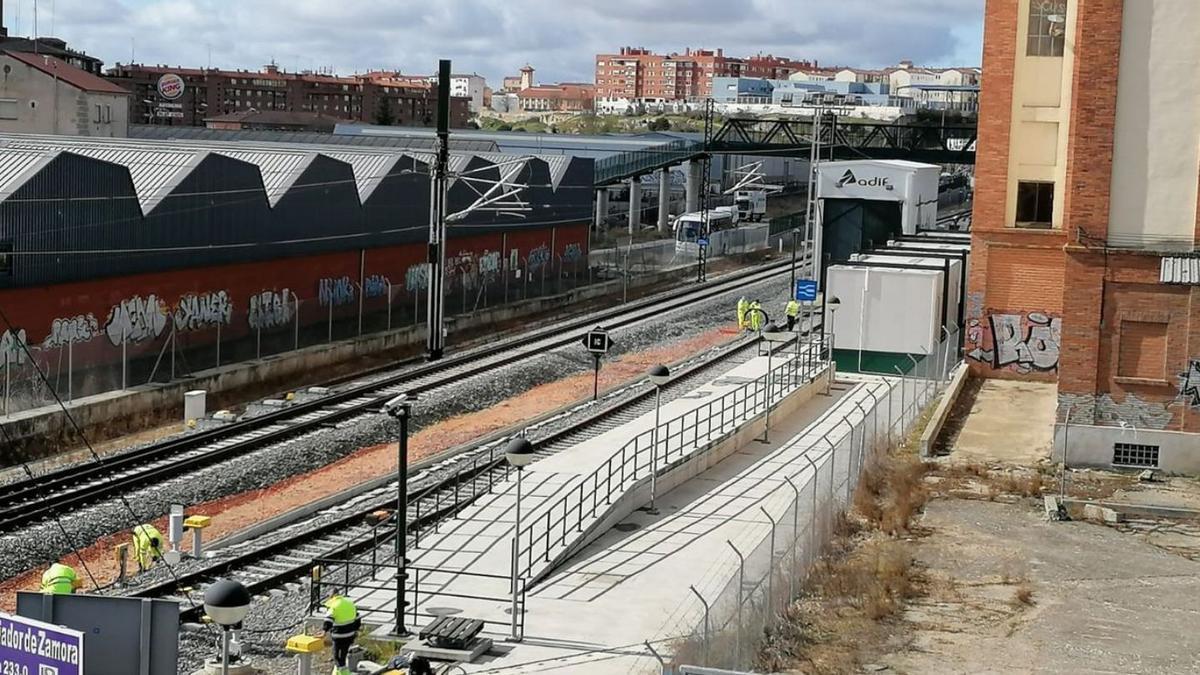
<point>839,139</point>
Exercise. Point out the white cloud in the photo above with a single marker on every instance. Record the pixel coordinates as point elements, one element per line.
<point>495,37</point>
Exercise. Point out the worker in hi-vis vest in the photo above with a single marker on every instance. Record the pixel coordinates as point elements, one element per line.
<point>147,546</point>
<point>341,627</point>
<point>756,316</point>
<point>743,306</point>
<point>793,311</point>
<point>60,579</point>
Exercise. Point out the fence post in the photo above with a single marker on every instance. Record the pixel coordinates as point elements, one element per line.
<point>70,369</point>
<point>737,635</point>
<point>706,625</point>
<point>795,536</point>
<point>6,378</point>
<point>258,342</point>
<point>770,569</point>
<point>296,326</point>
<point>124,360</point>
<point>389,302</point>
<point>218,344</point>
<point>330,332</point>
<point>174,346</point>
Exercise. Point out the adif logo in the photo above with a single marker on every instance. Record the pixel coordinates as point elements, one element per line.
<point>849,178</point>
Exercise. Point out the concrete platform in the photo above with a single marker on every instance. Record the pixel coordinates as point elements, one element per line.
<point>479,540</point>
<point>624,579</point>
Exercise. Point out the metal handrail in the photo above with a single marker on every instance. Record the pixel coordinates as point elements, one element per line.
<point>676,436</point>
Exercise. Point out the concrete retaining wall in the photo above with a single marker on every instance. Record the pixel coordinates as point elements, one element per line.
<point>43,432</point>
<point>942,413</point>
<point>1092,446</point>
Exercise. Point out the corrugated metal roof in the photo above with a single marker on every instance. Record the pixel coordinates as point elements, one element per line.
<point>15,167</point>
<point>151,171</point>
<point>157,166</point>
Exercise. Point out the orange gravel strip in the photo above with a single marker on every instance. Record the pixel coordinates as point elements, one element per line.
<point>233,513</point>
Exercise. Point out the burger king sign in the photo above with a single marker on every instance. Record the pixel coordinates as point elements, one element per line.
<point>170,86</point>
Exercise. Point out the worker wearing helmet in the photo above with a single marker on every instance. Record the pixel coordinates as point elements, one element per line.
<point>341,627</point>
<point>743,306</point>
<point>793,311</point>
<point>60,579</point>
<point>147,545</point>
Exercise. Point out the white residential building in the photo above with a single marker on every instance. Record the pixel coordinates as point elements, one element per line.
<point>40,94</point>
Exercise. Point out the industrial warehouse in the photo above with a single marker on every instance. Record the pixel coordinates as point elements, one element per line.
<point>113,248</point>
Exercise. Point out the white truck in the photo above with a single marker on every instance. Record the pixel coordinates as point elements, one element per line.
<point>751,204</point>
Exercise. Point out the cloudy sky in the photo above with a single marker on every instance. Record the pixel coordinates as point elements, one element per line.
<point>495,37</point>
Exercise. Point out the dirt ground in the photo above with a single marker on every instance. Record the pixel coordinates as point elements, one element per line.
<point>980,580</point>
<point>237,512</point>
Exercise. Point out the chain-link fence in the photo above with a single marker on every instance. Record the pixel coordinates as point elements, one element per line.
<point>781,535</point>
<point>146,340</point>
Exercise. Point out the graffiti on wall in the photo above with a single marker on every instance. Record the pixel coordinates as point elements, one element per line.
<point>203,310</point>
<point>416,277</point>
<point>136,319</point>
<point>1022,343</point>
<point>572,253</point>
<point>72,330</point>
<point>11,351</point>
<point>1189,383</point>
<point>270,309</point>
<point>539,258</point>
<point>489,264</point>
<point>376,286</point>
<point>336,291</point>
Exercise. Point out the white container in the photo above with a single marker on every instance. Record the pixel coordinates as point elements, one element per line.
<point>887,310</point>
<point>913,184</point>
<point>194,404</point>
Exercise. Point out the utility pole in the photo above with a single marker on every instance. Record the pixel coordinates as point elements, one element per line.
<point>705,171</point>
<point>436,338</point>
<point>810,208</point>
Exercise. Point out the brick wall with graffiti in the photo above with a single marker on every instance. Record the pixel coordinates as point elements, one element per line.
<point>92,324</point>
<point>1017,343</point>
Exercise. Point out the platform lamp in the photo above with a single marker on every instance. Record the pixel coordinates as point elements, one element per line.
<point>659,375</point>
<point>773,334</point>
<point>831,306</point>
<point>227,602</point>
<point>400,409</point>
<point>519,454</point>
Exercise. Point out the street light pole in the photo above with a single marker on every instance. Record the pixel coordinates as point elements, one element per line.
<point>659,375</point>
<point>400,408</point>
<point>519,454</point>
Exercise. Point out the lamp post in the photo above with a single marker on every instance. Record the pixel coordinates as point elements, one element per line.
<point>831,305</point>
<point>773,334</point>
<point>659,375</point>
<point>519,454</point>
<point>400,409</point>
<point>226,602</point>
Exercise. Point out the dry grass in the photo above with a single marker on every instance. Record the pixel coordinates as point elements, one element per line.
<point>1023,595</point>
<point>891,492</point>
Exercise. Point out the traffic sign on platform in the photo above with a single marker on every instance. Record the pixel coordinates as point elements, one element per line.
<point>597,341</point>
<point>806,290</point>
<point>36,648</point>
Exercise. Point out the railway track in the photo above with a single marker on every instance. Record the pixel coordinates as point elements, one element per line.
<point>439,487</point>
<point>29,501</point>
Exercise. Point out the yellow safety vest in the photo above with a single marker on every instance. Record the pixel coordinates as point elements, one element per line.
<point>59,579</point>
<point>793,308</point>
<point>341,612</point>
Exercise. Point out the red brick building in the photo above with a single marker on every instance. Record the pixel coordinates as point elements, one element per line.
<point>636,73</point>
<point>1084,269</point>
<point>563,97</point>
<point>211,93</point>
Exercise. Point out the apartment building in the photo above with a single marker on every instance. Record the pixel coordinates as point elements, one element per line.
<point>195,94</point>
<point>1084,264</point>
<point>637,74</point>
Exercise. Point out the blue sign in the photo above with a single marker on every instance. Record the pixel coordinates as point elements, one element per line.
<point>806,290</point>
<point>29,647</point>
<point>702,241</point>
